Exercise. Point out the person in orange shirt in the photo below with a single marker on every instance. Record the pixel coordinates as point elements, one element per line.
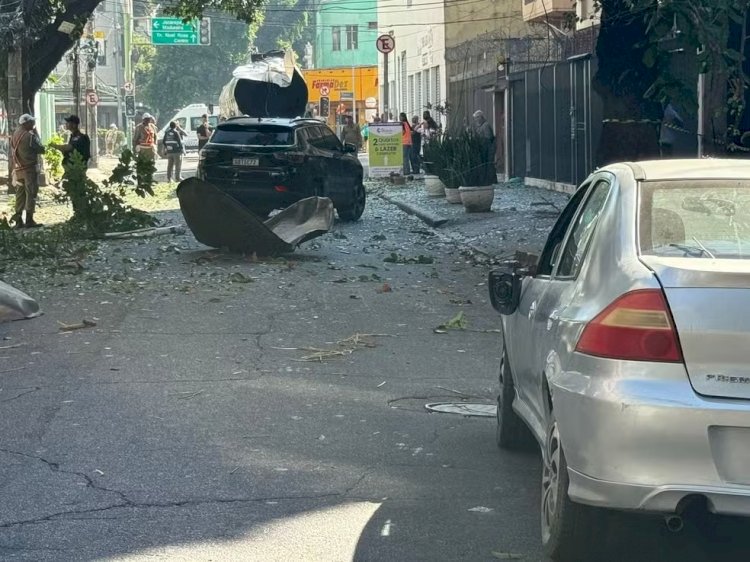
<point>406,127</point>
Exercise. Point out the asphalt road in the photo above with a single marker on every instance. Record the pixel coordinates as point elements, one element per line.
<point>193,422</point>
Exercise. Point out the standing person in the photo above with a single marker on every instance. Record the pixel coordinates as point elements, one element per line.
<point>406,141</point>
<point>416,145</point>
<point>175,149</point>
<point>351,134</point>
<point>428,127</point>
<point>144,138</point>
<point>484,131</point>
<point>26,147</point>
<point>204,131</point>
<point>78,142</point>
<point>110,139</point>
<point>671,122</point>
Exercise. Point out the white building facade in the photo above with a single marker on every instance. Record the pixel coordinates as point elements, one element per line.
<point>416,78</point>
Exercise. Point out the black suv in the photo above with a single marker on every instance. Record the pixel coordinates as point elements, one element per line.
<point>271,163</point>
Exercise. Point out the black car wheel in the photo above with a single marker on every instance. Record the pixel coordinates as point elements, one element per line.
<point>510,432</point>
<point>354,211</point>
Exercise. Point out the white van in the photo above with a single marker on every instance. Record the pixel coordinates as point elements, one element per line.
<point>190,118</point>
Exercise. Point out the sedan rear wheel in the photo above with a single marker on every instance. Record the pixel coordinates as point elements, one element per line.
<point>354,211</point>
<point>569,529</point>
<point>510,431</point>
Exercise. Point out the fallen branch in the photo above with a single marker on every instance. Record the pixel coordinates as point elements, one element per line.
<point>146,232</point>
<point>14,346</point>
<point>80,326</point>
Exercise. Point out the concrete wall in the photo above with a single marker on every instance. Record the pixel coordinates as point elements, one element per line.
<point>479,36</point>
<point>335,16</point>
<point>417,77</point>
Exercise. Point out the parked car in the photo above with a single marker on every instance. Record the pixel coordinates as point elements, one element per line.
<point>268,164</point>
<point>626,349</point>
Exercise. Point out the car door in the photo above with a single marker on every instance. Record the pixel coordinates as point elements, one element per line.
<point>330,151</point>
<point>560,287</point>
<point>522,326</point>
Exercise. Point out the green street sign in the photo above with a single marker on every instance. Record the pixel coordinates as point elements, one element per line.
<point>173,31</point>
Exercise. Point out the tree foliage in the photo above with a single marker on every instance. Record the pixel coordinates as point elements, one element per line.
<point>180,75</point>
<point>286,24</point>
<point>643,49</point>
<point>34,27</point>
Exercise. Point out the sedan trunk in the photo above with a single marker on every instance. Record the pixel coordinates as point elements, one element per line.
<point>710,304</point>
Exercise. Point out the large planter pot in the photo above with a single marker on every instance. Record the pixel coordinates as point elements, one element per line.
<point>434,187</point>
<point>477,199</point>
<point>452,195</point>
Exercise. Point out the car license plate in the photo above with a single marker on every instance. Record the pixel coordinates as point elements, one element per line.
<point>245,161</point>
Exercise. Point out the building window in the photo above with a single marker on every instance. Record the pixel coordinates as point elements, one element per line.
<point>102,50</point>
<point>411,94</point>
<point>418,87</point>
<point>336,38</point>
<point>372,25</point>
<point>404,102</point>
<point>436,83</point>
<point>352,37</point>
<point>426,80</point>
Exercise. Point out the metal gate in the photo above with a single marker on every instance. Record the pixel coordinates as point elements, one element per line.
<point>555,121</point>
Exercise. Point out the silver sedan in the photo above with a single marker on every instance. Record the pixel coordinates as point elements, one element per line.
<point>627,348</point>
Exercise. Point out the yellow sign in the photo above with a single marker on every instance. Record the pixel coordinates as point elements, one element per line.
<point>99,35</point>
<point>344,83</point>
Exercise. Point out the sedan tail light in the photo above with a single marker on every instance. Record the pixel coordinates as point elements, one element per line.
<point>636,327</point>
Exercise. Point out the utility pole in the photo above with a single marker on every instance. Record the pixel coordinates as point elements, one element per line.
<point>92,99</point>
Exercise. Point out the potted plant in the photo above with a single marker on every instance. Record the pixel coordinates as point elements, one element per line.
<point>448,174</point>
<point>472,164</point>
<point>434,164</point>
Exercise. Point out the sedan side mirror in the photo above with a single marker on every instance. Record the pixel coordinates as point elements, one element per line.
<point>350,148</point>
<point>505,291</point>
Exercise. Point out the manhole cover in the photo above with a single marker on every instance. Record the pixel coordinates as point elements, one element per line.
<point>463,409</point>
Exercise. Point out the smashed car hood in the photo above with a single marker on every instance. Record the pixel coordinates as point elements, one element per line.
<point>270,85</point>
<point>220,221</point>
<point>16,305</point>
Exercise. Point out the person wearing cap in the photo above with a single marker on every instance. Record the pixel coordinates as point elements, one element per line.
<point>26,147</point>
<point>79,142</point>
<point>144,138</point>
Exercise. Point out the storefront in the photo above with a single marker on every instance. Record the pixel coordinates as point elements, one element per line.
<point>349,91</point>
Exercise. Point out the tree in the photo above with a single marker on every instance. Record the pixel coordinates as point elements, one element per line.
<point>181,75</point>
<point>286,24</point>
<point>637,47</point>
<point>33,26</point>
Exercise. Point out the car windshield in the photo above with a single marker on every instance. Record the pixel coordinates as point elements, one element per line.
<point>697,219</point>
<point>254,135</point>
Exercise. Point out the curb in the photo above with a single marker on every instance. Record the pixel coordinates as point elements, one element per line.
<point>435,221</point>
<point>427,217</point>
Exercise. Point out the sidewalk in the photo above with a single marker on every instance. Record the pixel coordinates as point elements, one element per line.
<point>521,217</point>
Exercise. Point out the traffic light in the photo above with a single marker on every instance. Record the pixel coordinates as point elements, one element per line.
<point>130,106</point>
<point>325,107</point>
<point>205,31</point>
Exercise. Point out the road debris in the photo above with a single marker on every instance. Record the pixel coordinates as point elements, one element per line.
<point>506,555</point>
<point>343,348</point>
<point>481,509</point>
<point>85,323</point>
<point>458,322</point>
<point>146,232</point>
<point>419,260</point>
<point>386,288</point>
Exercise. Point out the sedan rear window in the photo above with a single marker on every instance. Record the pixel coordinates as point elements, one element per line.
<point>254,135</point>
<point>701,219</point>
